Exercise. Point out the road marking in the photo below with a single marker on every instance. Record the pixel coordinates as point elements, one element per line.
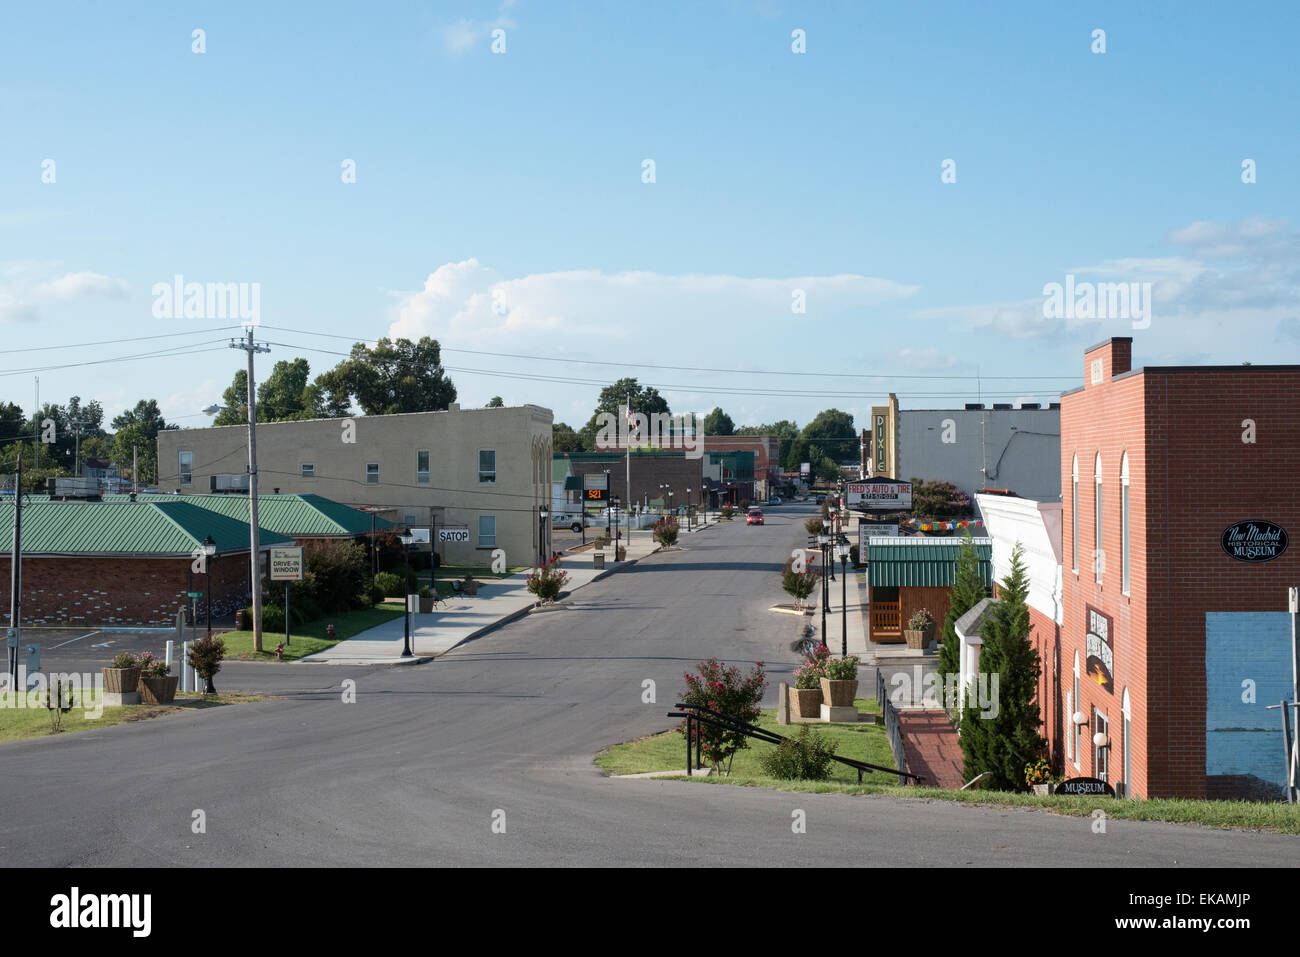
<point>102,644</point>
<point>71,640</point>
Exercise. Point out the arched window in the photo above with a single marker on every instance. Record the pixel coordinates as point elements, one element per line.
<point>1099,554</point>
<point>1125,561</point>
<point>1126,772</point>
<point>1074,515</point>
<point>1078,705</point>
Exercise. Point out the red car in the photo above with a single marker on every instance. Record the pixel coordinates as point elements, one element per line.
<point>754,517</point>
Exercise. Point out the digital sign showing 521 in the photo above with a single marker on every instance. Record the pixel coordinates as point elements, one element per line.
<point>596,494</point>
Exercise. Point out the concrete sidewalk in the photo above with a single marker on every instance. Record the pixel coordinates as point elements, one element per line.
<point>498,601</point>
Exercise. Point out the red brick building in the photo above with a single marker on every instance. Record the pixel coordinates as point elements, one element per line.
<point>1178,491</point>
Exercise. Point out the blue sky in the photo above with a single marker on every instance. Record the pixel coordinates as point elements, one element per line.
<point>515,180</point>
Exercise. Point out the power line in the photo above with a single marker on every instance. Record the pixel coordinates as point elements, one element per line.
<point>109,342</point>
<point>650,365</point>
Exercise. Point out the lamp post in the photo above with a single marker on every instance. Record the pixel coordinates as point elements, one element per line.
<point>209,557</point>
<point>842,550</point>
<point>406,537</point>
<point>615,501</point>
<point>822,540</point>
<point>690,515</point>
<point>830,541</point>
<point>543,514</point>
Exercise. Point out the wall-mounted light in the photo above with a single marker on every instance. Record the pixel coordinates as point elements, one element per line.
<point>1079,718</point>
<point>1100,740</point>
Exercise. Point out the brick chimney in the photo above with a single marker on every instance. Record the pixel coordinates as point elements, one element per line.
<point>1105,360</point>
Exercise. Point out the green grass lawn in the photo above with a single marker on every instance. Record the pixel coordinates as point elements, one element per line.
<point>446,573</point>
<point>667,751</point>
<point>17,724</point>
<point>310,638</point>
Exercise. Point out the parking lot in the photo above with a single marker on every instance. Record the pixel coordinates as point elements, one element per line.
<point>89,649</point>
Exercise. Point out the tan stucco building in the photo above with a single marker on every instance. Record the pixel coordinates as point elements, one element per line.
<point>484,471</point>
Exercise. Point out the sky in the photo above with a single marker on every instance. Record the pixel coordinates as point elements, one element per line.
<point>882,212</point>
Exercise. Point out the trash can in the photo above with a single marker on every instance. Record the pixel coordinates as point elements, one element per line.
<point>598,560</point>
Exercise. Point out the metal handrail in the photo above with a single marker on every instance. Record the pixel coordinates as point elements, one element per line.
<point>893,730</point>
<point>716,718</point>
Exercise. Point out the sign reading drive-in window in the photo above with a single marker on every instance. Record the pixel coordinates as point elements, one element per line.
<point>286,564</point>
<point>452,533</point>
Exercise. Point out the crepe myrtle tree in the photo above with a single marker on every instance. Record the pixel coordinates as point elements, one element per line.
<point>724,689</point>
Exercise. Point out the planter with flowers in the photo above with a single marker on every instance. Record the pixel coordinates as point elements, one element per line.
<point>920,629</point>
<point>157,683</point>
<point>806,695</point>
<point>123,676</point>
<point>840,683</point>
<point>1039,777</point>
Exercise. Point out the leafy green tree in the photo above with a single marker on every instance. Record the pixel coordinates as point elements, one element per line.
<point>391,378</point>
<point>496,402</point>
<point>933,499</point>
<point>967,592</point>
<point>564,439</point>
<point>831,434</point>
<point>146,415</point>
<point>644,400</point>
<point>1006,738</point>
<point>718,422</point>
<point>284,396</point>
<point>133,443</point>
<point>13,424</point>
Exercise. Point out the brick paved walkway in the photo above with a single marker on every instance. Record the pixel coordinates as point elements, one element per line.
<point>930,742</point>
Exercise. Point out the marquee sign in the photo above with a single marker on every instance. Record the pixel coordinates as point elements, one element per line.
<point>879,444</point>
<point>1101,653</point>
<point>1254,541</point>
<point>883,494</point>
<point>595,487</point>
<point>1088,787</point>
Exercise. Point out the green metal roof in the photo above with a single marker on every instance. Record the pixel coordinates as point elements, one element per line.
<point>922,563</point>
<point>140,529</point>
<point>573,483</point>
<point>297,516</point>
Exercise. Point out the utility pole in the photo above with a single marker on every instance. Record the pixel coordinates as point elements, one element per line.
<point>36,425</point>
<point>255,573</point>
<point>135,468</point>
<point>16,576</point>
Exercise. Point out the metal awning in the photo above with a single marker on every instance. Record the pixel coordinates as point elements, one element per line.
<point>922,562</point>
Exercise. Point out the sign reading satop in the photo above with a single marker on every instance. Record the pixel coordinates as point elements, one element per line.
<point>881,494</point>
<point>286,564</point>
<point>595,487</point>
<point>453,534</point>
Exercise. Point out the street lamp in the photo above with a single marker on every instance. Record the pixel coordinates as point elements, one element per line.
<point>823,541</point>
<point>842,550</point>
<point>615,502</point>
<point>210,557</point>
<point>690,515</point>
<point>543,514</point>
<point>406,537</point>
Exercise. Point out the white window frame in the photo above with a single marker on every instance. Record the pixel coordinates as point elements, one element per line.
<point>1100,723</point>
<point>1126,711</point>
<point>186,477</point>
<point>483,540</point>
<point>1074,519</point>
<point>375,480</point>
<point>1069,722</point>
<point>422,475</point>
<point>1098,553</point>
<point>307,469</point>
<point>1126,513</point>
<point>1078,704</point>
<point>482,471</point>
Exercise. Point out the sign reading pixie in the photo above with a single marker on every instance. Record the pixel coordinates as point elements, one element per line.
<point>659,430</point>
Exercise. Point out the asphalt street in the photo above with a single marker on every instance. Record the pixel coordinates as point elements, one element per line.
<point>505,728</point>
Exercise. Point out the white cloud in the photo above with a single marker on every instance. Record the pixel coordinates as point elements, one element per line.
<point>463,34</point>
<point>21,295</point>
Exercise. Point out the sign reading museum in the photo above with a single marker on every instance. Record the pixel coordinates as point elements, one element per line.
<point>1255,541</point>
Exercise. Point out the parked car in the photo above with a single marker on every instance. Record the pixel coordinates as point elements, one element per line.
<point>774,500</point>
<point>819,500</point>
<point>754,517</point>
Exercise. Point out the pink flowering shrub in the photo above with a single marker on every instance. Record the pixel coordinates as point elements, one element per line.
<point>723,688</point>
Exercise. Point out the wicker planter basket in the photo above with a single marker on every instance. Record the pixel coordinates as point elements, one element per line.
<point>805,702</point>
<point>120,680</point>
<point>839,693</point>
<point>158,690</point>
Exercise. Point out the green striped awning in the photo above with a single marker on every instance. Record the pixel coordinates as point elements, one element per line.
<point>923,562</point>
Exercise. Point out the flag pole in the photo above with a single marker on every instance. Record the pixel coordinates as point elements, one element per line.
<point>627,501</point>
